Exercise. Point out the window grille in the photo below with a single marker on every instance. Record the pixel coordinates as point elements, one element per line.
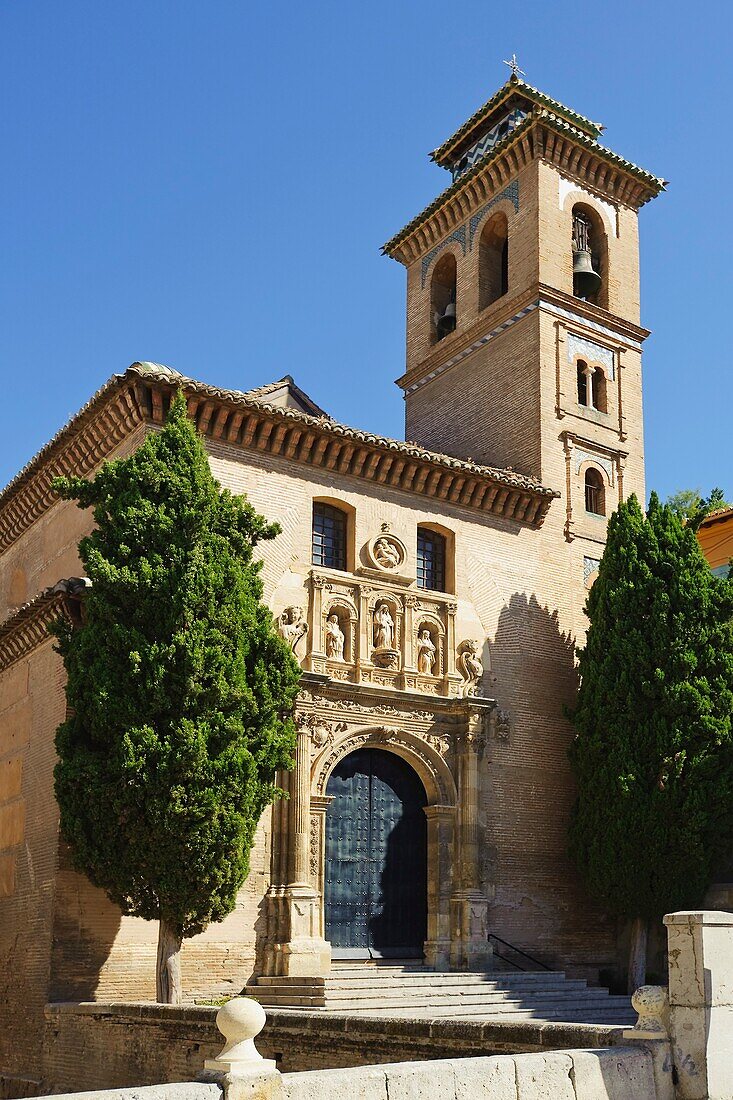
<point>430,560</point>
<point>329,536</point>
<point>594,495</point>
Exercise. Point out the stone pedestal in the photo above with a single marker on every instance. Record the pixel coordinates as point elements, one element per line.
<point>700,953</point>
<point>304,953</point>
<point>469,949</point>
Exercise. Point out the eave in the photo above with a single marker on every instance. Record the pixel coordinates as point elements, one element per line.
<point>451,147</point>
<point>143,394</point>
<point>27,627</point>
<point>542,135</point>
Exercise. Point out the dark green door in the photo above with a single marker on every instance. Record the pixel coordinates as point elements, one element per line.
<point>376,858</point>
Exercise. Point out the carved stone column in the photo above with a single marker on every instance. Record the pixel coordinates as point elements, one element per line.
<point>410,658</point>
<point>300,810</point>
<point>296,946</point>
<point>452,679</point>
<point>270,951</point>
<point>319,808</point>
<point>363,647</point>
<point>315,661</point>
<point>441,829</point>
<point>469,905</point>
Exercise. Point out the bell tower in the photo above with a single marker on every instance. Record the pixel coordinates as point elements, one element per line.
<point>523,329</point>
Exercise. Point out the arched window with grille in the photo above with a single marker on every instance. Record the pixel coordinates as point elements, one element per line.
<point>431,560</point>
<point>329,536</point>
<point>595,494</point>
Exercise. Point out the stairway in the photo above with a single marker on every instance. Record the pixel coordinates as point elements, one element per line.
<point>412,991</point>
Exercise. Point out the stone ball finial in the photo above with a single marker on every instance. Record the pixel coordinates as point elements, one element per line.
<point>650,1003</point>
<point>240,1021</point>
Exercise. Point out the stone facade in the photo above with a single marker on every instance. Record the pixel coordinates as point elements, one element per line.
<point>467,685</point>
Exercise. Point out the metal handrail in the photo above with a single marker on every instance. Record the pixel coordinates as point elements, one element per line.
<point>517,951</point>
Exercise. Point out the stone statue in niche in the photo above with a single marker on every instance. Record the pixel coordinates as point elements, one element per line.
<point>470,666</point>
<point>426,653</point>
<point>387,553</point>
<point>384,654</point>
<point>383,627</point>
<point>291,627</point>
<point>334,638</point>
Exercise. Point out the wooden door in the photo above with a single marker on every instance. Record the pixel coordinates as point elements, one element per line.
<point>376,858</point>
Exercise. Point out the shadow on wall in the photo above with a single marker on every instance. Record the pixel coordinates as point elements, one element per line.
<point>540,904</point>
<point>534,672</point>
<point>85,927</point>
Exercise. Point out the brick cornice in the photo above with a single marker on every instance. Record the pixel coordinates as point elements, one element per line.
<point>142,395</point>
<point>542,135</point>
<point>27,627</point>
<point>78,448</point>
<point>235,418</point>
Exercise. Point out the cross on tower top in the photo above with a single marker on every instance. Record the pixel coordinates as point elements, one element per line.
<point>514,66</point>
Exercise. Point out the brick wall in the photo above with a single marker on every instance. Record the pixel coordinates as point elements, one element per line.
<point>31,706</point>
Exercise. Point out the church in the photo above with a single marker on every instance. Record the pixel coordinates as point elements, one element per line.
<point>431,589</point>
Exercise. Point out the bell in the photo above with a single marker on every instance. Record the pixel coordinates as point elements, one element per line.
<point>586,281</point>
<point>447,322</point>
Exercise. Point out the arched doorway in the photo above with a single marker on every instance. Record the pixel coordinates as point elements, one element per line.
<point>376,858</point>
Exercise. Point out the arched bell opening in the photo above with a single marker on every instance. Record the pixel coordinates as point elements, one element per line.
<point>443,318</point>
<point>493,263</point>
<point>590,256</point>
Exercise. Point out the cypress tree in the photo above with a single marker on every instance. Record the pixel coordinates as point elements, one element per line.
<point>653,752</point>
<point>179,691</point>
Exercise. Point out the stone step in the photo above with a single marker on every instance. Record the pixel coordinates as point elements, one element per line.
<point>561,1013</point>
<point>429,978</point>
<point>427,996</point>
<point>446,992</point>
<point>402,992</point>
<point>460,1008</point>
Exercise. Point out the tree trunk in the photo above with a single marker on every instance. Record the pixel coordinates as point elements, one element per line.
<point>637,953</point>
<point>168,970</point>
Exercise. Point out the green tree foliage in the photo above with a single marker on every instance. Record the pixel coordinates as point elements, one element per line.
<point>179,689</point>
<point>653,754</point>
<point>692,507</point>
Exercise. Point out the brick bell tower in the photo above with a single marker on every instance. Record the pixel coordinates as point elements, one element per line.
<point>523,334</point>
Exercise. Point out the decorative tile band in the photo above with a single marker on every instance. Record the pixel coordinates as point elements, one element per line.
<point>457,235</point>
<point>564,314</point>
<point>567,315</point>
<point>599,460</point>
<point>472,347</point>
<point>497,133</point>
<point>593,353</point>
<point>511,192</point>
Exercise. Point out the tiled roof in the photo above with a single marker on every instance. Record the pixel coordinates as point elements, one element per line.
<point>411,450</point>
<point>142,394</point>
<point>301,396</point>
<point>716,516</point>
<point>514,86</point>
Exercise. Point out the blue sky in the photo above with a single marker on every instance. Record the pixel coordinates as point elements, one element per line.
<point>207,185</point>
